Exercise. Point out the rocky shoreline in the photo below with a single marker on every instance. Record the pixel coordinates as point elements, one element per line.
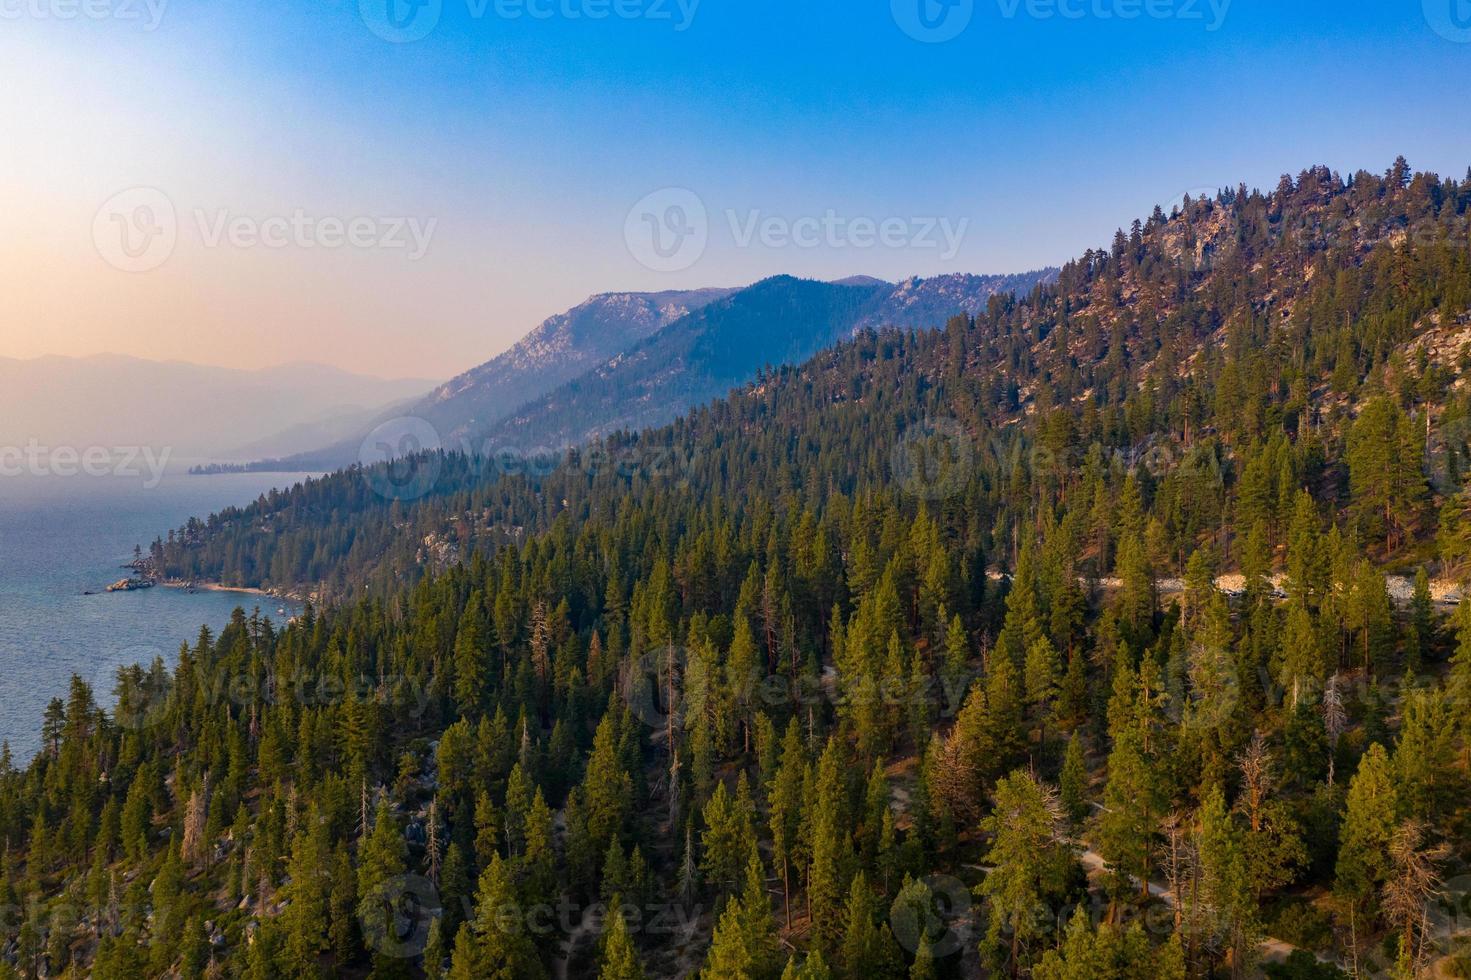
<point>143,578</point>
<point>131,585</point>
<point>243,590</point>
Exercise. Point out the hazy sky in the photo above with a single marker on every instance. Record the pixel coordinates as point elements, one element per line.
<point>312,179</point>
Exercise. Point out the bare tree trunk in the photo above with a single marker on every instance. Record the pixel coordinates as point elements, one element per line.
<point>786,889</point>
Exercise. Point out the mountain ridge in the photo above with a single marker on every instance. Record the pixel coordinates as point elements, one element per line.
<point>519,399</point>
<point>1219,287</point>
<point>777,321</point>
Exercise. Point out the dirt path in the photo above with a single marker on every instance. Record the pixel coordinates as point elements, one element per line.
<point>1273,950</point>
<point>569,946</point>
<point>1445,593</point>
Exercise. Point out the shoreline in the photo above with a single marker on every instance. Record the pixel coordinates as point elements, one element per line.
<point>141,569</point>
<point>241,590</point>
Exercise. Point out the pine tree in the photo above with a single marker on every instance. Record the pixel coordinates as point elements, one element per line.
<point>1135,602</point>
<point>875,806</point>
<point>729,958</point>
<point>923,967</point>
<point>785,795</point>
<point>1109,954</point>
<point>608,786</point>
<point>1453,539</point>
<point>955,674</point>
<point>501,947</point>
<point>756,922</point>
<point>1003,714</point>
<point>435,951</point>
<point>824,882</point>
<point>1306,564</point>
<point>1227,878</point>
<point>305,918</point>
<point>1368,829</point>
<point>1074,781</point>
<point>1421,634</point>
<point>467,961</point>
<point>724,841</point>
<point>1426,779</point>
<point>1132,805</point>
<point>194,846</point>
<point>620,960</point>
<point>1302,667</point>
<point>862,952</point>
<point>382,859</point>
<point>342,908</point>
<point>1029,860</point>
<point>1042,673</point>
<point>538,864</point>
<point>1386,480</point>
<point>488,839</point>
<point>812,968</point>
<point>471,666</point>
<point>1412,887</point>
<point>1370,614</point>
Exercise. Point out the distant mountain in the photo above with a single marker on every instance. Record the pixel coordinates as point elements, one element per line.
<point>695,359</point>
<point>629,360</point>
<point>192,410</point>
<point>308,437</point>
<point>560,349</point>
<point>699,358</point>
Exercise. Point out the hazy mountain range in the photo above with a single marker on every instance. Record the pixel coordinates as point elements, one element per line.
<point>778,321</point>
<point>192,410</point>
<point>630,360</point>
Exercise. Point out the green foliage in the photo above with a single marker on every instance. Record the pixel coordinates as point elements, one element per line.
<point>922,639</point>
<point>620,960</point>
<point>1369,822</point>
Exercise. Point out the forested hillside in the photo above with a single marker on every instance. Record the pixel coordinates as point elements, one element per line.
<point>920,659</point>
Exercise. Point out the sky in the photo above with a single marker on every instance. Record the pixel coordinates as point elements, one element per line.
<point>406,187</point>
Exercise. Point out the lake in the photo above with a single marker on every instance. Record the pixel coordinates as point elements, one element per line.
<point>63,536</point>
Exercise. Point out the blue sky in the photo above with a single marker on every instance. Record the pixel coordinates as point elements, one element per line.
<point>523,143</point>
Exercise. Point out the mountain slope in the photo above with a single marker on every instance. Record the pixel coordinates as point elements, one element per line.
<point>782,320</point>
<point>917,304</point>
<point>701,356</point>
<point>1207,328</point>
<point>558,350</point>
<point>931,559</point>
<point>561,349</point>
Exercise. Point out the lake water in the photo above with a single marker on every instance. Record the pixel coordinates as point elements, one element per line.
<point>63,536</point>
